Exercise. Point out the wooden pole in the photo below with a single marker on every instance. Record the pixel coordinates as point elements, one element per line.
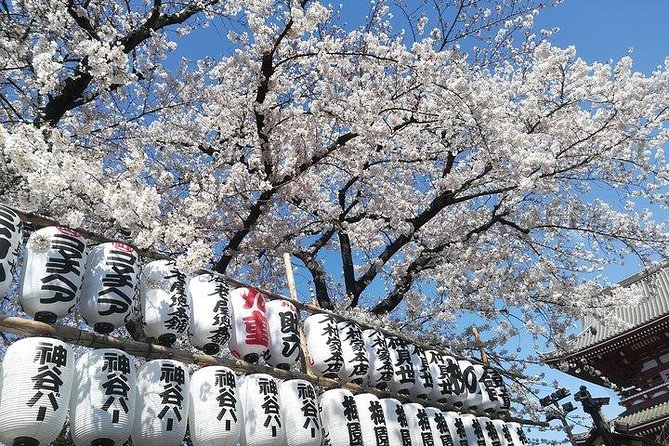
<point>27,327</point>
<point>304,363</point>
<point>479,344</point>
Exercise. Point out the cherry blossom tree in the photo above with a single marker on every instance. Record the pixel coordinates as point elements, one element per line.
<point>440,159</point>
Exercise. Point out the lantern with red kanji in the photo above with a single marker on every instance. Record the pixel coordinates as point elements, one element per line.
<point>53,266</point>
<point>250,332</point>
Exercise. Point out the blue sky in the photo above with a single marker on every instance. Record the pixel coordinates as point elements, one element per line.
<point>601,30</point>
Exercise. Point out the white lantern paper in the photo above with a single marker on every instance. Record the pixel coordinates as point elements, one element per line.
<point>250,334</point>
<point>464,384</point>
<point>496,398</point>
<point>339,416</point>
<point>517,435</point>
<point>396,422</point>
<point>37,377</point>
<point>52,270</point>
<point>490,434</point>
<point>210,322</point>
<point>424,383</point>
<point>503,433</point>
<point>419,425</point>
<point>403,372</point>
<point>372,420</point>
<point>356,364</point>
<point>108,286</point>
<point>164,301</point>
<point>473,430</point>
<point>162,409</point>
<point>380,366</point>
<point>263,425</point>
<point>475,393</point>
<point>438,364</point>
<point>439,427</point>
<point>299,412</point>
<point>456,427</point>
<point>11,231</point>
<point>284,335</point>
<point>102,406</point>
<point>215,414</point>
<point>323,345</point>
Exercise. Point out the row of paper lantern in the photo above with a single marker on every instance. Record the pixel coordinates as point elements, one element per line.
<point>109,401</point>
<point>58,273</point>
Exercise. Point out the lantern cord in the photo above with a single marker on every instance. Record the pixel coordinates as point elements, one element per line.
<point>27,327</point>
<point>40,221</point>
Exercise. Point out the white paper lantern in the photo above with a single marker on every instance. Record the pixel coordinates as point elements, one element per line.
<point>37,377</point>
<point>164,301</point>
<point>299,412</point>
<point>464,384</point>
<point>380,364</point>
<point>456,427</point>
<point>215,414</point>
<point>263,425</point>
<point>472,373</point>
<point>108,286</point>
<point>339,416</point>
<point>503,433</point>
<point>102,406</point>
<point>403,372</point>
<point>356,364</point>
<point>424,383</point>
<point>162,409</point>
<point>396,422</point>
<point>473,430</point>
<point>495,396</point>
<point>439,427</point>
<point>11,232</point>
<point>490,434</point>
<point>372,420</point>
<point>284,335</point>
<point>53,266</point>
<point>441,384</point>
<point>518,437</point>
<point>419,425</point>
<point>323,345</point>
<point>210,322</point>
<point>249,338</point>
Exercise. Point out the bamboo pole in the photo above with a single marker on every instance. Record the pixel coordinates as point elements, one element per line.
<point>27,327</point>
<point>41,221</point>
<point>304,363</point>
<point>479,344</point>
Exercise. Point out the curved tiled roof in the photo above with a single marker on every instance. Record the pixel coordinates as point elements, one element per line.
<point>648,415</point>
<point>654,304</point>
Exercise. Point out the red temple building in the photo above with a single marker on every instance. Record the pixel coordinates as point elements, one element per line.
<point>630,350</point>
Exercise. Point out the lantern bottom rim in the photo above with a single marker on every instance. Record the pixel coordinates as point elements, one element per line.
<point>211,348</point>
<point>103,327</point>
<point>25,441</point>
<point>46,317</point>
<point>167,339</point>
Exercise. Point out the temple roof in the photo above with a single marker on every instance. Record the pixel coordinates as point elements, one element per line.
<point>655,413</point>
<point>654,286</point>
